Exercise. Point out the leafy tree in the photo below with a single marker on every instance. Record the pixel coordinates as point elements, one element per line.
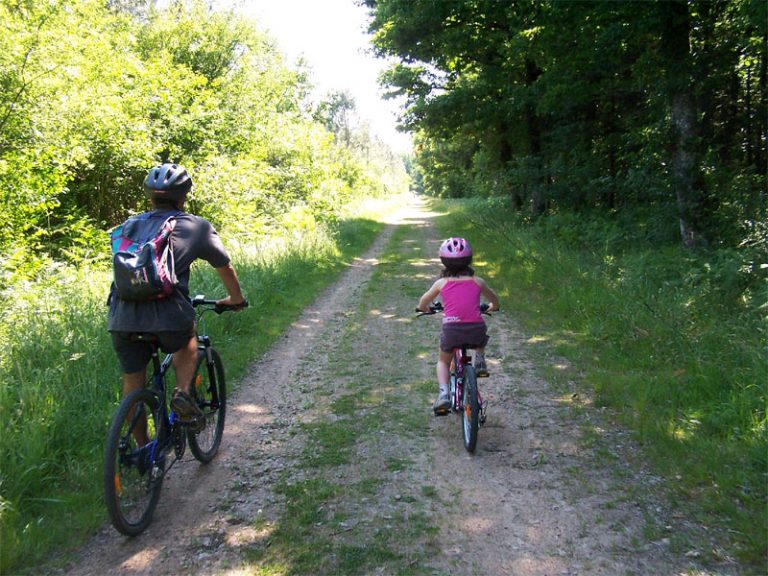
<point>588,105</point>
<point>335,112</point>
<point>92,94</point>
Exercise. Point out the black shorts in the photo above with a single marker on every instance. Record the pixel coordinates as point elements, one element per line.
<point>463,335</point>
<point>134,354</point>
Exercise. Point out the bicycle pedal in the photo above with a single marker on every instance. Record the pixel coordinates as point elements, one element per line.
<point>197,425</point>
<point>189,420</point>
<point>442,411</point>
<point>483,374</point>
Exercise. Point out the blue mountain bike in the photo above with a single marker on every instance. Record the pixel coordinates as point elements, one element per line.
<point>147,437</point>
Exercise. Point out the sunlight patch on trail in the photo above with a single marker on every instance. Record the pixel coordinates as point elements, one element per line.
<point>251,409</point>
<point>379,313</point>
<point>247,536</point>
<point>529,565</point>
<point>309,323</point>
<point>248,416</point>
<point>366,261</point>
<point>141,561</point>
<point>414,212</point>
<point>479,525</point>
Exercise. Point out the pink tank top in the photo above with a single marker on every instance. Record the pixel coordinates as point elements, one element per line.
<point>461,301</point>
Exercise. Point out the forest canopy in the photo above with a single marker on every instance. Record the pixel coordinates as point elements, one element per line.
<point>654,109</point>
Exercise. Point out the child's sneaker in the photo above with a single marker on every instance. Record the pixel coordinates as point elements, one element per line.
<point>443,403</point>
<point>480,367</point>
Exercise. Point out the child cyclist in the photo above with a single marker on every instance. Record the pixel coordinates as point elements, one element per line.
<point>460,291</point>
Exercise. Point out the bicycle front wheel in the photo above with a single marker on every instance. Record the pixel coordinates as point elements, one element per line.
<point>470,413</point>
<point>210,393</point>
<point>134,463</point>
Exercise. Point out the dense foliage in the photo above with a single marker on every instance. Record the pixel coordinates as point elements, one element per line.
<point>92,94</point>
<point>590,105</point>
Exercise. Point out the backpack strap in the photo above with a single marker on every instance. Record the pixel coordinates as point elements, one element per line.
<point>120,236</point>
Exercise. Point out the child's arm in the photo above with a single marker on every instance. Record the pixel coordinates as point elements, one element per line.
<point>430,295</point>
<point>489,294</point>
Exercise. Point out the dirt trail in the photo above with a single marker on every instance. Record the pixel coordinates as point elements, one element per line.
<point>532,500</point>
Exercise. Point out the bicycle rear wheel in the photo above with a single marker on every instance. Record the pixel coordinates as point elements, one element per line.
<point>470,413</point>
<point>210,392</point>
<point>133,475</point>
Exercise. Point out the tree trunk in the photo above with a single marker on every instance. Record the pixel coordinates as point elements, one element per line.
<point>676,47</point>
<point>505,160</point>
<point>683,167</point>
<point>762,132</point>
<point>532,73</point>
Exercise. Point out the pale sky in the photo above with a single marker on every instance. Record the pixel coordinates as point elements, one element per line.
<point>331,36</point>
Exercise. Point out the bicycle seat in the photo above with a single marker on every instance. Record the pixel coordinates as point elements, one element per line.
<point>466,346</point>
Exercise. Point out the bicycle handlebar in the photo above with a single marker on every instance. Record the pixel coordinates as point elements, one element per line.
<point>437,306</point>
<point>200,300</point>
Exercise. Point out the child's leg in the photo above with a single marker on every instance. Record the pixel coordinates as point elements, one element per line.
<point>479,363</point>
<point>444,369</point>
<point>443,403</point>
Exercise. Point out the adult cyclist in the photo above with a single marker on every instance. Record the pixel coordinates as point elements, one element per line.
<point>171,319</point>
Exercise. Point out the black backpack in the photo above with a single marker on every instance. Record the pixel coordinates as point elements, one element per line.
<point>142,260</point>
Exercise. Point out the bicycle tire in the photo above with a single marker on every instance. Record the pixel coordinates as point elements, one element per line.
<point>132,482</point>
<point>470,409</point>
<point>210,392</point>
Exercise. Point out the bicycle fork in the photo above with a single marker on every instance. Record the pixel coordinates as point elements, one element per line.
<point>457,385</point>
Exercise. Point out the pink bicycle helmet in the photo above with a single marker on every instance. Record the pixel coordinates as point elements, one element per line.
<point>455,248</point>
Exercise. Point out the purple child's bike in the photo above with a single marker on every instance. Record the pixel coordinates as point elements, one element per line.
<point>465,393</point>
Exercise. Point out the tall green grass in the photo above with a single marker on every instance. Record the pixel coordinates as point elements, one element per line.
<point>60,383</point>
<point>673,342</point>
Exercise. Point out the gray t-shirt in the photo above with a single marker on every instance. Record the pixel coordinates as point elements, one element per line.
<point>193,238</point>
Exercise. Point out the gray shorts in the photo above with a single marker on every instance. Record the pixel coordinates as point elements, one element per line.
<point>134,352</point>
<point>463,335</point>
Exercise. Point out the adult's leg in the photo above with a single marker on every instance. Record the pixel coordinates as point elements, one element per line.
<point>184,361</point>
<point>136,381</point>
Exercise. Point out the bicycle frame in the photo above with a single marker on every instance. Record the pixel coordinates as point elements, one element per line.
<point>171,434</point>
<point>460,358</point>
<point>167,433</point>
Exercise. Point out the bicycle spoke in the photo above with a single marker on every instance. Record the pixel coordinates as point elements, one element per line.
<point>133,474</point>
<point>210,393</point>
<point>470,416</point>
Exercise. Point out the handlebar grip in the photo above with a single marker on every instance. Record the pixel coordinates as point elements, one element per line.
<point>220,308</point>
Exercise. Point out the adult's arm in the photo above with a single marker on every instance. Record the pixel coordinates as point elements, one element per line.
<point>231,284</point>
